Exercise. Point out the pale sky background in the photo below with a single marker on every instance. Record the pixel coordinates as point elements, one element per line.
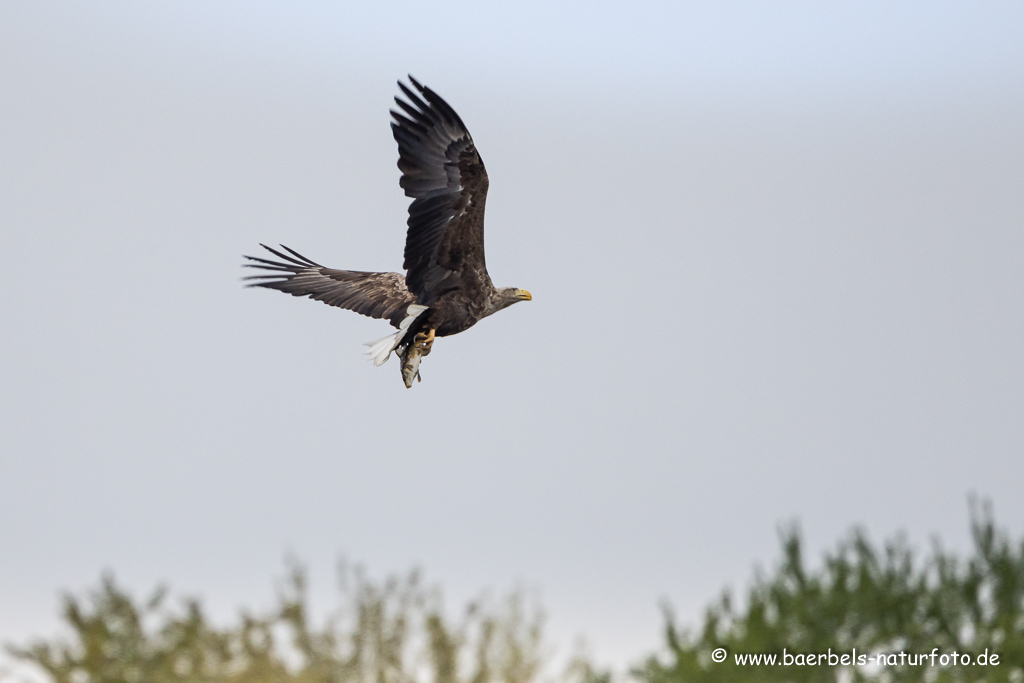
<point>777,259</point>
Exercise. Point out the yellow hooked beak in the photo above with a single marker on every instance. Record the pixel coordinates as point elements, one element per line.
<point>523,295</point>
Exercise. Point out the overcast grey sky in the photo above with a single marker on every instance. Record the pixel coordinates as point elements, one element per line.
<point>777,260</point>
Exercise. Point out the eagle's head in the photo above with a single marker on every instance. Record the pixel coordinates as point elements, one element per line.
<point>505,297</point>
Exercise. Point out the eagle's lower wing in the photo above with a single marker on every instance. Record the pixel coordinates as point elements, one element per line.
<point>442,171</point>
<point>378,295</point>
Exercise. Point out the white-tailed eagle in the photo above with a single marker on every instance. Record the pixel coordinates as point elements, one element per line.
<point>446,288</point>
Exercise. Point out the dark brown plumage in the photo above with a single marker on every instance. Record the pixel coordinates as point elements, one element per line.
<point>377,295</point>
<point>446,288</point>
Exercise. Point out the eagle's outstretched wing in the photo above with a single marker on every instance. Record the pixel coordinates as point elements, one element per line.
<point>442,171</point>
<point>378,295</point>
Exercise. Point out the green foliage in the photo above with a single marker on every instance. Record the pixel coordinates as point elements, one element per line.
<point>874,600</point>
<point>394,632</point>
<point>862,597</point>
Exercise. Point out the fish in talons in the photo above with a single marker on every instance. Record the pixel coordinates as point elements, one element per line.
<point>412,353</point>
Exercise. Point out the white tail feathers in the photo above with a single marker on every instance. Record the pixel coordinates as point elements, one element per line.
<point>380,349</point>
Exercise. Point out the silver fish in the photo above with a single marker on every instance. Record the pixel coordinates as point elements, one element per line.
<point>411,356</point>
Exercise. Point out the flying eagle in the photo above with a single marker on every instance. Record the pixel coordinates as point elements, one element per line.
<point>446,288</point>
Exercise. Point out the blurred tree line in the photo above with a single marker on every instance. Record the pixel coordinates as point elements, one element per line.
<point>877,599</point>
<point>872,598</point>
<point>395,631</point>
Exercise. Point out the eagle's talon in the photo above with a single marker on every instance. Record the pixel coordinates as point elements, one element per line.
<point>424,341</point>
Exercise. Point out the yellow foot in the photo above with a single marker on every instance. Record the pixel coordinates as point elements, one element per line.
<point>424,341</point>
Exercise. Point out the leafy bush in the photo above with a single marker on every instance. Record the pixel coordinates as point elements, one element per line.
<point>872,599</point>
<point>392,632</point>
